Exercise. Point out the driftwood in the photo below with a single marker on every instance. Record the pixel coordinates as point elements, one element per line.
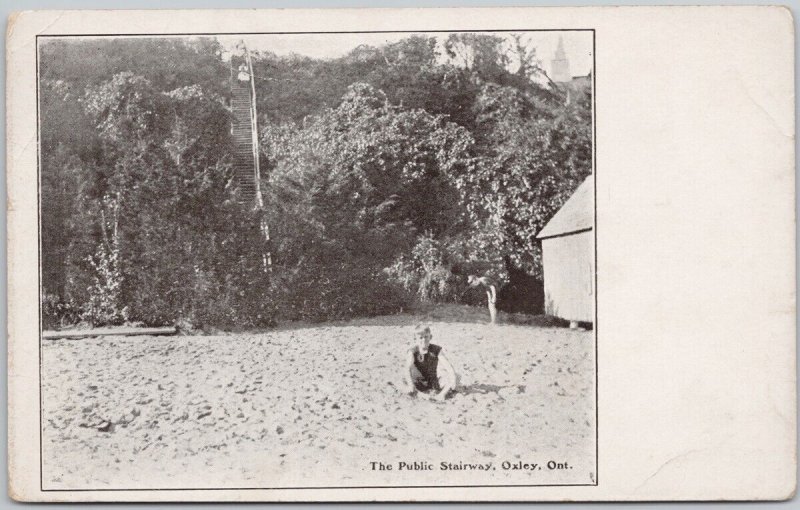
<point>85,333</point>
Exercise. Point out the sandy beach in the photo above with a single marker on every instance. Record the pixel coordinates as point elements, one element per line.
<point>318,406</point>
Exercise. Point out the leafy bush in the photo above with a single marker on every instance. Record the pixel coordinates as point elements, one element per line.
<point>348,290</point>
<point>57,313</point>
<point>425,273</point>
<point>437,270</point>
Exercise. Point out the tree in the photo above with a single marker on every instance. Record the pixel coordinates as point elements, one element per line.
<point>483,54</point>
<point>369,163</point>
<point>533,160</point>
<point>186,246</point>
<point>352,188</point>
<point>167,63</point>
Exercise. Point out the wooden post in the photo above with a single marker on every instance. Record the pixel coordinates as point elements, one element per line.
<point>491,296</point>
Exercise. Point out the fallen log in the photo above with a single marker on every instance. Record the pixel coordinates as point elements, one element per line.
<point>86,333</point>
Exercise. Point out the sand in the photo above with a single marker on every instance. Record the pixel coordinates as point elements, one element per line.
<point>317,406</point>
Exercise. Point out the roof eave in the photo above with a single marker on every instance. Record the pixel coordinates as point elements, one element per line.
<point>564,234</point>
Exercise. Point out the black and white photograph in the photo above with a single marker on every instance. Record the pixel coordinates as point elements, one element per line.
<point>317,260</point>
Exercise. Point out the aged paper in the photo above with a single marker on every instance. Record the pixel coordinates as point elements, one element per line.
<point>520,254</point>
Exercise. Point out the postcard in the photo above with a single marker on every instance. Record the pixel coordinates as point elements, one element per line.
<point>479,254</point>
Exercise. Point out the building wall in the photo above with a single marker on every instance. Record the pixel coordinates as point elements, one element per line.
<point>569,276</point>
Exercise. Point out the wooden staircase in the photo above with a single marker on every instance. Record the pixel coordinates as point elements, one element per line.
<point>244,134</point>
<point>244,155</point>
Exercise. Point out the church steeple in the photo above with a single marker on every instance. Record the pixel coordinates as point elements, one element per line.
<point>559,66</point>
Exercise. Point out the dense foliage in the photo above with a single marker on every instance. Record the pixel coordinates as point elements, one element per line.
<point>389,176</point>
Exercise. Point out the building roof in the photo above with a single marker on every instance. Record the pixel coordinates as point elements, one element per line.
<point>576,215</point>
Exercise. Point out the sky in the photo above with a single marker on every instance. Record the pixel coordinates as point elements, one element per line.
<point>577,45</point>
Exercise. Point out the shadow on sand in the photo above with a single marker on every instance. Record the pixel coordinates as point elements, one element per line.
<point>483,389</point>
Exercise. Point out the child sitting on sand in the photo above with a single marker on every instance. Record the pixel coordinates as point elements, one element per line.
<point>428,373</point>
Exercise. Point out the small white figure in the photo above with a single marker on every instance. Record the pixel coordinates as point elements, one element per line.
<point>491,294</point>
<point>244,74</point>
